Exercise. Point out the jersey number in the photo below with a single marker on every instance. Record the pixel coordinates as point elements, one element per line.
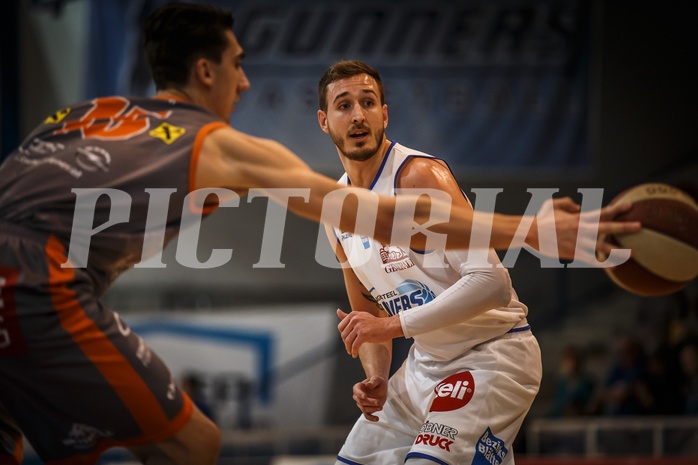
<point>111,119</point>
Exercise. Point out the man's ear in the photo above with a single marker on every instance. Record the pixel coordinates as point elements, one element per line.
<point>322,120</point>
<point>203,72</point>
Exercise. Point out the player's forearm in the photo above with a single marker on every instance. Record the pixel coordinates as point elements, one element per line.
<point>353,210</point>
<point>505,229</point>
<point>486,230</point>
<point>465,228</point>
<point>472,295</point>
<point>376,358</point>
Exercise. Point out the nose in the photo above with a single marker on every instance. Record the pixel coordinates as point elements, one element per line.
<point>244,84</point>
<point>357,114</point>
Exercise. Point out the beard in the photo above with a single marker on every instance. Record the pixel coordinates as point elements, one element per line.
<point>358,151</point>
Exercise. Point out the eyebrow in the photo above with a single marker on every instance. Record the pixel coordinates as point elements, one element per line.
<point>344,94</point>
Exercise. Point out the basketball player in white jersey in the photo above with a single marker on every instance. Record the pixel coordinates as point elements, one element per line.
<point>474,367</point>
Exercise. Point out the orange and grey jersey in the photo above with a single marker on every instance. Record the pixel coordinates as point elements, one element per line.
<point>102,169</point>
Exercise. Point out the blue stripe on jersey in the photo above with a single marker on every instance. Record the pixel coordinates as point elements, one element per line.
<point>419,455</point>
<point>520,329</point>
<point>343,460</point>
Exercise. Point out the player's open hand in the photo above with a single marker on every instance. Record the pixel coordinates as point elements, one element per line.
<point>358,328</point>
<point>370,396</point>
<point>579,234</point>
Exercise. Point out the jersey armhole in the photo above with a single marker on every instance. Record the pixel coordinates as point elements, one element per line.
<point>194,160</point>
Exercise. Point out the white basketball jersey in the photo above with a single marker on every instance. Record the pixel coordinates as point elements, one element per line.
<point>397,278</point>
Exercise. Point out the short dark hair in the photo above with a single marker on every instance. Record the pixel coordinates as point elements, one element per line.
<point>346,69</point>
<point>178,34</point>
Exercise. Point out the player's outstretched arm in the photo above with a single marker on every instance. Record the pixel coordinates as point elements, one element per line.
<point>579,234</point>
<point>231,159</point>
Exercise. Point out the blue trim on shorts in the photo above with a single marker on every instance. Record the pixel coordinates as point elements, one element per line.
<point>519,329</point>
<point>342,459</point>
<point>419,455</point>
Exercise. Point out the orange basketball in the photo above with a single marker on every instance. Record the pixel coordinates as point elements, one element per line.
<point>665,252</point>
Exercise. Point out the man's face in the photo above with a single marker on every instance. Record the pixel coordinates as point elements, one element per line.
<point>355,118</point>
<point>229,79</point>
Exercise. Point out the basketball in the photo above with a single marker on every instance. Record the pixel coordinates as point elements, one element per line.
<point>665,251</point>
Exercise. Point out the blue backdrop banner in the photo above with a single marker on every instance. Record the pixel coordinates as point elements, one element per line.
<point>489,85</point>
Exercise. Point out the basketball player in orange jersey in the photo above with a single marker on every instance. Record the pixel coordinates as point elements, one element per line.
<point>74,378</point>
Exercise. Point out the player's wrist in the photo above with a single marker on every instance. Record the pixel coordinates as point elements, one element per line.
<point>531,239</point>
<point>404,330</point>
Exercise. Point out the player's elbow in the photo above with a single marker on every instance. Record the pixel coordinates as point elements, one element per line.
<point>503,287</point>
<point>495,286</point>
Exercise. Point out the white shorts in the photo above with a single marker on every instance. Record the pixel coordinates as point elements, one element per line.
<point>466,412</point>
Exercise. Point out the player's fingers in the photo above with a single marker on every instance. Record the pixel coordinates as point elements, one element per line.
<point>350,337</point>
<point>356,344</point>
<point>612,210</point>
<point>368,403</point>
<point>566,204</point>
<point>372,382</point>
<point>367,399</point>
<point>370,417</point>
<point>370,407</point>
<point>346,330</point>
<point>619,227</point>
<point>347,337</point>
<point>344,321</point>
<point>605,248</point>
<point>360,390</point>
<point>349,343</point>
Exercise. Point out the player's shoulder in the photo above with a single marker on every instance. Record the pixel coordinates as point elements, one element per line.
<point>417,170</point>
<point>421,170</point>
<point>403,156</point>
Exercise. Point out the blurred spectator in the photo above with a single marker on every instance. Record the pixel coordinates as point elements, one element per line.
<point>660,390</point>
<point>192,384</point>
<point>685,327</point>
<point>622,390</point>
<point>657,318</point>
<point>689,367</point>
<point>574,387</point>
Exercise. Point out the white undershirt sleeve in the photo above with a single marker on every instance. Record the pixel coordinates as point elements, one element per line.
<point>483,286</point>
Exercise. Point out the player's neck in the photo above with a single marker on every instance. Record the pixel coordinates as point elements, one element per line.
<point>174,94</point>
<point>362,173</point>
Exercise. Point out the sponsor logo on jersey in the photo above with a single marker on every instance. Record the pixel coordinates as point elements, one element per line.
<point>41,147</point>
<point>40,152</point>
<point>83,436</point>
<point>172,389</point>
<point>93,158</point>
<point>439,430</point>
<point>434,440</point>
<point>394,259</point>
<point>345,236</point>
<point>57,117</point>
<point>167,133</point>
<point>437,435</point>
<point>490,450</point>
<point>453,393</point>
<point>143,352</point>
<point>410,293</point>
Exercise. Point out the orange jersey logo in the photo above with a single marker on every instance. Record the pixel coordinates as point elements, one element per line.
<point>109,120</point>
